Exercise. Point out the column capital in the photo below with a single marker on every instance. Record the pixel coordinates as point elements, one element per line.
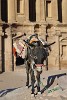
<point>1,33</point>
<point>58,33</point>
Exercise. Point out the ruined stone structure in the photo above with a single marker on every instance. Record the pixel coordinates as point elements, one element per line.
<point>19,16</point>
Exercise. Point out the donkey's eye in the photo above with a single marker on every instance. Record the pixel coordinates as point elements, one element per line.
<point>35,57</point>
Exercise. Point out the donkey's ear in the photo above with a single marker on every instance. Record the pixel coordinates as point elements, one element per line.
<point>46,45</point>
<point>51,43</point>
<point>28,43</point>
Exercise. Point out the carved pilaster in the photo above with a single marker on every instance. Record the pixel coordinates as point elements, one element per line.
<point>0,50</point>
<point>0,9</point>
<point>64,11</point>
<point>11,11</point>
<point>58,34</point>
<point>54,4</point>
<point>26,10</point>
<point>37,10</point>
<point>8,49</point>
<point>43,8</point>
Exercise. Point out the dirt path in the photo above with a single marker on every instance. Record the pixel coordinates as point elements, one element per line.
<point>13,84</point>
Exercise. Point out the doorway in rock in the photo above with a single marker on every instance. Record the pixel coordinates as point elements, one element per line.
<point>32,10</point>
<point>19,60</point>
<point>4,15</point>
<point>60,10</point>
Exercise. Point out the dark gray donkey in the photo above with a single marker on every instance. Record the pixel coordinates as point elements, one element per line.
<point>36,54</point>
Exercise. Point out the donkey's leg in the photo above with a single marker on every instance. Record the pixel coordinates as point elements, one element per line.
<point>27,83</point>
<point>38,82</point>
<point>32,81</point>
<point>27,72</point>
<point>47,63</point>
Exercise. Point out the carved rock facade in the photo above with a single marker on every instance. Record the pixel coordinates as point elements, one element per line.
<point>21,16</point>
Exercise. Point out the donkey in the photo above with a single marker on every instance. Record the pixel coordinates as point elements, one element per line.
<point>36,54</point>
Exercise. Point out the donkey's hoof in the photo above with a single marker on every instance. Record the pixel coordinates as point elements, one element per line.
<point>39,92</point>
<point>26,87</point>
<point>32,95</point>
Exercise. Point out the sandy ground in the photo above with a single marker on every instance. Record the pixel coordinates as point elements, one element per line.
<point>12,86</point>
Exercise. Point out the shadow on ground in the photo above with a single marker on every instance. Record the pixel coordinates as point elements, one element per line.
<point>50,81</point>
<point>1,72</point>
<point>4,92</point>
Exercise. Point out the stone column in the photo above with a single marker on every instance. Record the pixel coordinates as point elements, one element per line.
<point>43,18</point>
<point>43,10</point>
<point>11,11</point>
<point>26,10</point>
<point>0,55</point>
<point>37,10</point>
<point>58,34</point>
<point>8,50</point>
<point>0,10</point>
<point>43,30</point>
<point>64,11</point>
<point>54,4</point>
<point>0,49</point>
